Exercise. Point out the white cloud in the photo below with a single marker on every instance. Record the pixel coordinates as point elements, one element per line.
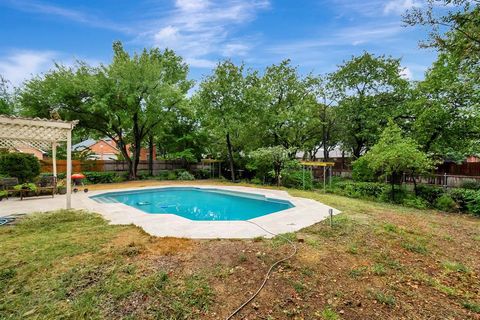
<point>400,6</point>
<point>22,65</point>
<point>235,49</point>
<point>202,28</point>
<point>406,73</point>
<point>69,14</point>
<point>347,36</point>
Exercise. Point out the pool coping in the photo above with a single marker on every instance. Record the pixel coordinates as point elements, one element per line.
<point>304,213</point>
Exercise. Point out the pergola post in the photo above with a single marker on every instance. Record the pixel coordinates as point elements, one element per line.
<point>54,159</point>
<point>69,169</point>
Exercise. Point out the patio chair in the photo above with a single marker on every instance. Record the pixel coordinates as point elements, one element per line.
<point>45,184</point>
<point>8,184</point>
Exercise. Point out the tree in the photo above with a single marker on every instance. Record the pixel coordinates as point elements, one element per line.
<point>454,25</point>
<point>395,154</point>
<point>328,129</point>
<point>447,108</point>
<point>445,112</point>
<point>288,104</point>
<point>124,101</point>
<point>6,99</point>
<point>222,104</point>
<point>270,160</point>
<point>369,89</point>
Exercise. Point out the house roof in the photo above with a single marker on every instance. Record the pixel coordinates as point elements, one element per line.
<point>84,144</point>
<point>90,142</point>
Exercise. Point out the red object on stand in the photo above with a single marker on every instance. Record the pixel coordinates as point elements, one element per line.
<point>78,176</point>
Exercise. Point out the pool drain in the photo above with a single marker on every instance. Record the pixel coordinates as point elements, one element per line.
<point>267,275</point>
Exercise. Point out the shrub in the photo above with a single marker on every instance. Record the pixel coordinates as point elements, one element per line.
<point>256,181</point>
<point>369,190</point>
<point>185,175</point>
<point>23,166</point>
<point>100,177</point>
<point>467,200</point>
<point>470,184</point>
<point>362,172</point>
<point>143,175</point>
<point>399,194</point>
<point>445,203</point>
<point>415,202</point>
<point>429,193</point>
<point>295,179</point>
<point>202,174</point>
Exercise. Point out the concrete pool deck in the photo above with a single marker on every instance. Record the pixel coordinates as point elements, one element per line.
<point>305,213</point>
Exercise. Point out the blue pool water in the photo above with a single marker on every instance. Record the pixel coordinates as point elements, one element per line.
<point>198,204</point>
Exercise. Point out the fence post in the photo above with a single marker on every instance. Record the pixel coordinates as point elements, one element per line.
<point>445,183</point>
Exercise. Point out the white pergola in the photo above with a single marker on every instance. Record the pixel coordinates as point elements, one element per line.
<point>43,134</point>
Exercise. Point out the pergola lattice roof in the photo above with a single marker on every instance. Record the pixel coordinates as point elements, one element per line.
<point>38,133</point>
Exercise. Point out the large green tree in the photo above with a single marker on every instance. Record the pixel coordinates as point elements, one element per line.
<point>369,89</point>
<point>125,100</point>
<point>447,102</point>
<point>445,112</point>
<point>289,107</point>
<point>223,105</point>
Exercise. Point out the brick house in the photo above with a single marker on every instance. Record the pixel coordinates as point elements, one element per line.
<point>106,149</point>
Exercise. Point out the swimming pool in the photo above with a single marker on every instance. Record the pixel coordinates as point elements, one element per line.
<point>198,203</point>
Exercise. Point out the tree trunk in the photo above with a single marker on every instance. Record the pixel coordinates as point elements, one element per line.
<point>123,149</point>
<point>393,186</point>
<point>137,145</point>
<point>151,153</point>
<point>414,185</point>
<point>230,157</point>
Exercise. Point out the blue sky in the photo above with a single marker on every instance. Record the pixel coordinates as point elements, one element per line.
<point>316,35</point>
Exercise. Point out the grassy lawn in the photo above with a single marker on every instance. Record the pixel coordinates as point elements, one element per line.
<point>378,261</point>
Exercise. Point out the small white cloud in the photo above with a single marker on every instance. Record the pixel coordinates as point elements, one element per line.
<point>191,5</point>
<point>200,63</point>
<point>22,65</point>
<point>235,49</point>
<point>406,73</point>
<point>400,6</point>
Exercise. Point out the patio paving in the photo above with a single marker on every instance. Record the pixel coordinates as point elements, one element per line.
<point>305,213</point>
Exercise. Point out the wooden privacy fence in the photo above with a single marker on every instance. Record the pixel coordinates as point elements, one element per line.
<point>464,169</point>
<point>77,165</point>
<point>118,166</point>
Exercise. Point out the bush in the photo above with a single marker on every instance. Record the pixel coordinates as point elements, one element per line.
<point>202,174</point>
<point>185,175</point>
<point>429,193</point>
<point>399,194</point>
<point>470,184</point>
<point>415,202</point>
<point>101,177</point>
<point>446,203</point>
<point>256,181</point>
<point>23,166</point>
<point>467,200</point>
<point>295,179</point>
<point>362,172</point>
<point>368,190</point>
